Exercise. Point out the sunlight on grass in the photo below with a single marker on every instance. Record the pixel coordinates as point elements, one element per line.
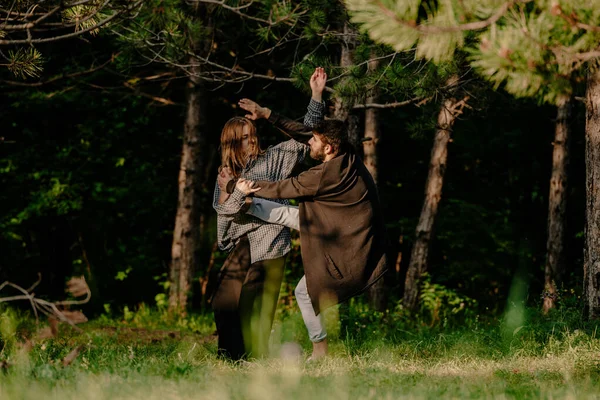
<point>121,361</point>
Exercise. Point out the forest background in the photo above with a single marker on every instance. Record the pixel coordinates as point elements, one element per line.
<point>111,112</point>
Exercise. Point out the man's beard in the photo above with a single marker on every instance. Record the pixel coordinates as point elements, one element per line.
<point>317,155</point>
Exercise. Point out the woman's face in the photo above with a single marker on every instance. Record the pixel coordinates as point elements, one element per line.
<point>246,139</point>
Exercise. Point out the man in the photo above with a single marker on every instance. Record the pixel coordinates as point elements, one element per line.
<point>342,233</point>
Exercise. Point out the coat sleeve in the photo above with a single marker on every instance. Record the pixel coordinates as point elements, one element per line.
<point>304,185</point>
<point>315,113</point>
<point>290,128</point>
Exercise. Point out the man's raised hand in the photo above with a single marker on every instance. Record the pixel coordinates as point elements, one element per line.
<point>318,80</point>
<point>245,186</point>
<point>255,110</point>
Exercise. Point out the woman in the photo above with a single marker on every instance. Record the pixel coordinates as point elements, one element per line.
<point>246,297</point>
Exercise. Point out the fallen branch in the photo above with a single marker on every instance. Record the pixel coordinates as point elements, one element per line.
<point>77,286</point>
<point>69,358</point>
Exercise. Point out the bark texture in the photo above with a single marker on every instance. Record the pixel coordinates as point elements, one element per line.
<point>186,234</point>
<point>449,111</point>
<point>557,206</point>
<point>591,252</point>
<point>376,293</point>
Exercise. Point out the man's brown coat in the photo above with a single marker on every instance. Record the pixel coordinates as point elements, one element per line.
<point>342,233</point>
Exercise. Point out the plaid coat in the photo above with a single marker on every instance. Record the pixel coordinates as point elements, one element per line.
<point>267,241</point>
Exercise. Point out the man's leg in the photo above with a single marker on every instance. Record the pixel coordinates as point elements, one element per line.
<point>275,213</point>
<point>258,302</point>
<point>314,323</point>
<point>225,301</point>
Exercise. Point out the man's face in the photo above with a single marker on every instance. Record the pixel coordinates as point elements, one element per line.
<point>318,149</point>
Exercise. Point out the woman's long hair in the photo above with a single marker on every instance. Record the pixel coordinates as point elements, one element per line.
<point>232,154</point>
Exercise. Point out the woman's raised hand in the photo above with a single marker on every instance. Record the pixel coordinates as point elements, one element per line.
<point>255,110</point>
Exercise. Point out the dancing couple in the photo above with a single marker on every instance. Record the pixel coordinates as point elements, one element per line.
<point>342,233</point>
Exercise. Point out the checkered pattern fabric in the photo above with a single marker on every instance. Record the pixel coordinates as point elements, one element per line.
<point>267,241</point>
<point>315,113</point>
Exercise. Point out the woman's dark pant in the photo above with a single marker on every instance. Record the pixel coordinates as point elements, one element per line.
<point>244,303</point>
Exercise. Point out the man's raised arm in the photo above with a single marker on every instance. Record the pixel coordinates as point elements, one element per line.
<point>316,108</point>
<point>315,112</point>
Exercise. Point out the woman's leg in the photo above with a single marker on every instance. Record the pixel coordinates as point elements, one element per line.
<point>275,213</point>
<point>226,299</point>
<point>314,323</point>
<point>258,301</point>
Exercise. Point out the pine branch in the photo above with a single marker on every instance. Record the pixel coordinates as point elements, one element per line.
<point>25,63</point>
<point>587,56</point>
<point>572,19</point>
<point>237,10</point>
<point>60,77</point>
<point>101,23</point>
<point>419,100</point>
<point>433,29</point>
<point>29,25</point>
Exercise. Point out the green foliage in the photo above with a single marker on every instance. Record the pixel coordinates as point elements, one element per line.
<point>8,327</point>
<point>25,63</point>
<point>89,180</point>
<point>90,187</point>
<point>534,50</point>
<point>441,303</point>
<point>512,55</point>
<point>144,317</point>
<point>393,23</point>
<point>550,356</point>
<point>25,28</point>
<point>14,326</point>
<point>164,30</point>
<point>84,17</point>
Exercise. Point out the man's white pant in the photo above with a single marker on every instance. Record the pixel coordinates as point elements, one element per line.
<point>280,214</point>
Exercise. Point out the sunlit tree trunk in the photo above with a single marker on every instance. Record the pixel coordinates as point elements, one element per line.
<point>370,149</point>
<point>591,253</point>
<point>376,293</point>
<point>449,110</point>
<point>557,205</point>
<point>186,234</point>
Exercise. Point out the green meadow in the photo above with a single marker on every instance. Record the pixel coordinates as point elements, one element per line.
<point>148,355</point>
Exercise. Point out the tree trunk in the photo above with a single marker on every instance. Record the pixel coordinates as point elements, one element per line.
<point>186,235</point>
<point>341,109</point>
<point>376,293</point>
<point>433,193</point>
<point>371,130</point>
<point>557,205</point>
<point>591,252</point>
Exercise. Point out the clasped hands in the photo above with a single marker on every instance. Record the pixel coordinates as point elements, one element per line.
<point>246,186</point>
<point>243,185</point>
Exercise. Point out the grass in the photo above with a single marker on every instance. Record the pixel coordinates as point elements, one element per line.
<point>153,358</point>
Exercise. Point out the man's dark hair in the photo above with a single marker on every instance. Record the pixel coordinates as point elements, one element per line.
<point>334,133</point>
